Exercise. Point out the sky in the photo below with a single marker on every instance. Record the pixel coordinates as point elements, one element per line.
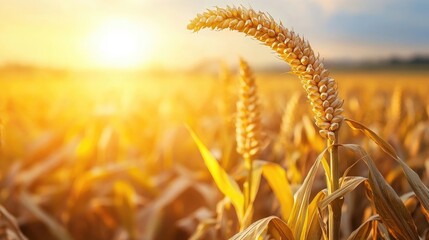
<point>78,34</point>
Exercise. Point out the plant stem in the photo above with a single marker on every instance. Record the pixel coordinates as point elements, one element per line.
<point>334,208</point>
<point>249,166</point>
<point>247,193</point>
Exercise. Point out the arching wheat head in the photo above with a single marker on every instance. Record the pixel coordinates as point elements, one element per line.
<point>321,89</point>
<point>248,123</point>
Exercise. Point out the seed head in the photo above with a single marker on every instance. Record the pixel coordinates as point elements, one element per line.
<point>321,89</point>
<point>248,116</point>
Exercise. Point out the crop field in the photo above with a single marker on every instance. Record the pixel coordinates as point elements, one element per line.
<point>116,125</point>
<point>90,156</point>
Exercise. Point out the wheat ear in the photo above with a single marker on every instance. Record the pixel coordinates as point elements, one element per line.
<point>321,89</point>
<point>248,123</point>
<point>289,118</point>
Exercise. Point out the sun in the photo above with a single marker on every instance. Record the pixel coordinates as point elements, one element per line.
<point>120,43</point>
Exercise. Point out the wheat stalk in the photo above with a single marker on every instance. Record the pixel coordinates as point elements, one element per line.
<point>248,128</point>
<point>321,89</point>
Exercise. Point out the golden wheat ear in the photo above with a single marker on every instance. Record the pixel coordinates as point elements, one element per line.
<point>321,89</point>
<point>289,118</point>
<point>248,123</point>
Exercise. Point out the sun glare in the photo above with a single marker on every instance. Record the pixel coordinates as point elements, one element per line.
<point>120,44</point>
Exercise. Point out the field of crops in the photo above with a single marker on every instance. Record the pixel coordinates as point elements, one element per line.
<point>110,156</point>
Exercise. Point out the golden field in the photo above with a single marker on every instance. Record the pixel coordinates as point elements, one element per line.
<point>109,156</point>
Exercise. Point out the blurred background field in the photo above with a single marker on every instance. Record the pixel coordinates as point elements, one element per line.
<point>107,155</point>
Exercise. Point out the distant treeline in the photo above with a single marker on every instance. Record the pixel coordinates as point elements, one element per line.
<point>394,63</point>
<point>414,60</point>
<point>213,66</point>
